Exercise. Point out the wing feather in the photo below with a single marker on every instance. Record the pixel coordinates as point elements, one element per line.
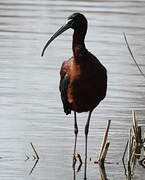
<point>63,87</point>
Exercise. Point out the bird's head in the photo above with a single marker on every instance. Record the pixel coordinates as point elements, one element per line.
<point>75,21</point>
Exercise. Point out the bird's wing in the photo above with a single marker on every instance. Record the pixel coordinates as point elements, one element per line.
<point>63,86</point>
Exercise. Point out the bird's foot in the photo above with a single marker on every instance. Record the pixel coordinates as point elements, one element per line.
<point>75,157</point>
<point>74,160</point>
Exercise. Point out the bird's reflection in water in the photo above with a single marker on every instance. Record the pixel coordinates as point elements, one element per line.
<point>76,170</point>
<point>102,171</point>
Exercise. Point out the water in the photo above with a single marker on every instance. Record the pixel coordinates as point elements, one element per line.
<point>31,109</point>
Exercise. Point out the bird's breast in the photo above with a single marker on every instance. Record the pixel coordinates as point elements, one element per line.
<point>74,71</point>
<point>86,87</point>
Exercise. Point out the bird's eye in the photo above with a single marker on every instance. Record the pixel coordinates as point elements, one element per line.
<point>71,22</point>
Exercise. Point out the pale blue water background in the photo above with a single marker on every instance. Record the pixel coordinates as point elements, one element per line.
<point>30,105</point>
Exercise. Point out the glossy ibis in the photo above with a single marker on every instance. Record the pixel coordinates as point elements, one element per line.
<point>83,79</point>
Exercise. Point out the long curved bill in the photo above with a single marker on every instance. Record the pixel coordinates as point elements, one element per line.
<point>60,31</point>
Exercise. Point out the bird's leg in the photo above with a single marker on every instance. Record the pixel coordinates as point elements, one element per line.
<point>86,142</point>
<point>76,133</point>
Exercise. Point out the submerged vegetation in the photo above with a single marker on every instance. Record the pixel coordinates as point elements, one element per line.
<point>134,148</point>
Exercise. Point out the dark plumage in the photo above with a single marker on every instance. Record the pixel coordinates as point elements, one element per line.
<point>85,83</point>
<point>83,79</point>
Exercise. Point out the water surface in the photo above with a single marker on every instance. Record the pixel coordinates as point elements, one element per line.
<point>31,109</point>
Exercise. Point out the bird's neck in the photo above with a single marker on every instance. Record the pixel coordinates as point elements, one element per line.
<point>78,45</point>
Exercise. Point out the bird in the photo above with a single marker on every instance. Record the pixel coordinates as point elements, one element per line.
<point>83,78</point>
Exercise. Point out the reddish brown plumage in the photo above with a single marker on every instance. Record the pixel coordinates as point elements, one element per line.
<point>83,81</point>
<point>87,79</point>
